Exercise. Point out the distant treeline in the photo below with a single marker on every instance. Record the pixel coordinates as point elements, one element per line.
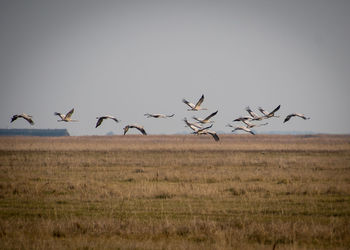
<point>34,132</point>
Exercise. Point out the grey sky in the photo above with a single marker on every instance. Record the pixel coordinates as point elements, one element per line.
<point>127,58</point>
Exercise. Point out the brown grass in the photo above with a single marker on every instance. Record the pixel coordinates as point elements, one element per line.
<point>175,192</point>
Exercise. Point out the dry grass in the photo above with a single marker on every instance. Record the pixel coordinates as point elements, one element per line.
<point>175,192</point>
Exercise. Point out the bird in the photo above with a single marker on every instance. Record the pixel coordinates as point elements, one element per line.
<point>158,115</point>
<point>138,127</point>
<point>271,114</point>
<point>295,114</point>
<point>101,118</point>
<point>206,120</point>
<point>67,117</point>
<point>249,124</point>
<point>254,115</point>
<point>195,107</point>
<point>244,129</point>
<point>194,126</point>
<point>243,118</point>
<point>210,132</point>
<point>198,130</point>
<point>28,118</point>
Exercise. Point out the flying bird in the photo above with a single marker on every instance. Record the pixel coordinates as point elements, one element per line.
<point>254,115</point>
<point>158,115</point>
<point>243,118</point>
<point>248,124</point>
<point>66,117</point>
<point>28,118</point>
<point>194,107</point>
<point>244,129</point>
<point>205,120</point>
<point>101,118</point>
<point>208,132</point>
<point>194,126</point>
<point>295,114</point>
<point>271,114</point>
<point>198,130</point>
<point>138,127</point>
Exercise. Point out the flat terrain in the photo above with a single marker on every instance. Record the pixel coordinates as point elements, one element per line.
<point>175,192</point>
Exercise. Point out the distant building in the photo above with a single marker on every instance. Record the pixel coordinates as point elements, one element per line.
<point>34,132</point>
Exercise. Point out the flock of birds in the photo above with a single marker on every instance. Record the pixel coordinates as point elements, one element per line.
<point>199,127</point>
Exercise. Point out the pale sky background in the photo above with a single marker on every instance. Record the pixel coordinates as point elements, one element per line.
<point>127,58</point>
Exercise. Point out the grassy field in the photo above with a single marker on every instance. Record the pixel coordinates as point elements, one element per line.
<point>175,192</point>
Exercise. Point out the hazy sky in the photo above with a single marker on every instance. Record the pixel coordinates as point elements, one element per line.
<point>127,58</point>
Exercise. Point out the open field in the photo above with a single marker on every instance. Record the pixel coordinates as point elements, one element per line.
<point>175,192</point>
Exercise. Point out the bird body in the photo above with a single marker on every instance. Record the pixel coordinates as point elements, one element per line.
<point>101,118</point>
<point>158,115</point>
<point>205,120</point>
<point>138,127</point>
<point>28,118</point>
<point>195,107</point>
<point>295,114</point>
<point>66,117</point>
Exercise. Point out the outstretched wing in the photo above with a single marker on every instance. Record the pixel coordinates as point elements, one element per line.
<point>275,110</point>
<point>199,101</point>
<point>141,129</point>
<point>288,117</point>
<point>69,114</point>
<point>126,128</point>
<point>302,116</point>
<point>211,115</point>
<point>14,118</point>
<point>214,135</point>
<point>28,119</point>
<point>191,105</point>
<point>263,111</point>
<point>99,121</point>
<point>251,112</point>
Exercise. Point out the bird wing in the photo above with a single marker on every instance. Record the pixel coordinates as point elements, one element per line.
<point>191,105</point>
<point>246,122</point>
<point>69,114</point>
<point>302,116</point>
<point>197,119</point>
<point>288,117</point>
<point>214,135</point>
<point>170,115</point>
<point>275,110</point>
<point>245,118</point>
<point>99,121</point>
<point>14,118</point>
<point>251,113</point>
<point>126,128</point>
<point>210,116</point>
<point>28,119</point>
<point>193,126</point>
<point>198,104</point>
<point>203,129</point>
<point>115,119</point>
<point>263,111</point>
<point>140,128</point>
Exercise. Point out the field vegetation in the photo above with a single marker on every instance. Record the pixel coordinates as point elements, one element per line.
<point>175,192</point>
